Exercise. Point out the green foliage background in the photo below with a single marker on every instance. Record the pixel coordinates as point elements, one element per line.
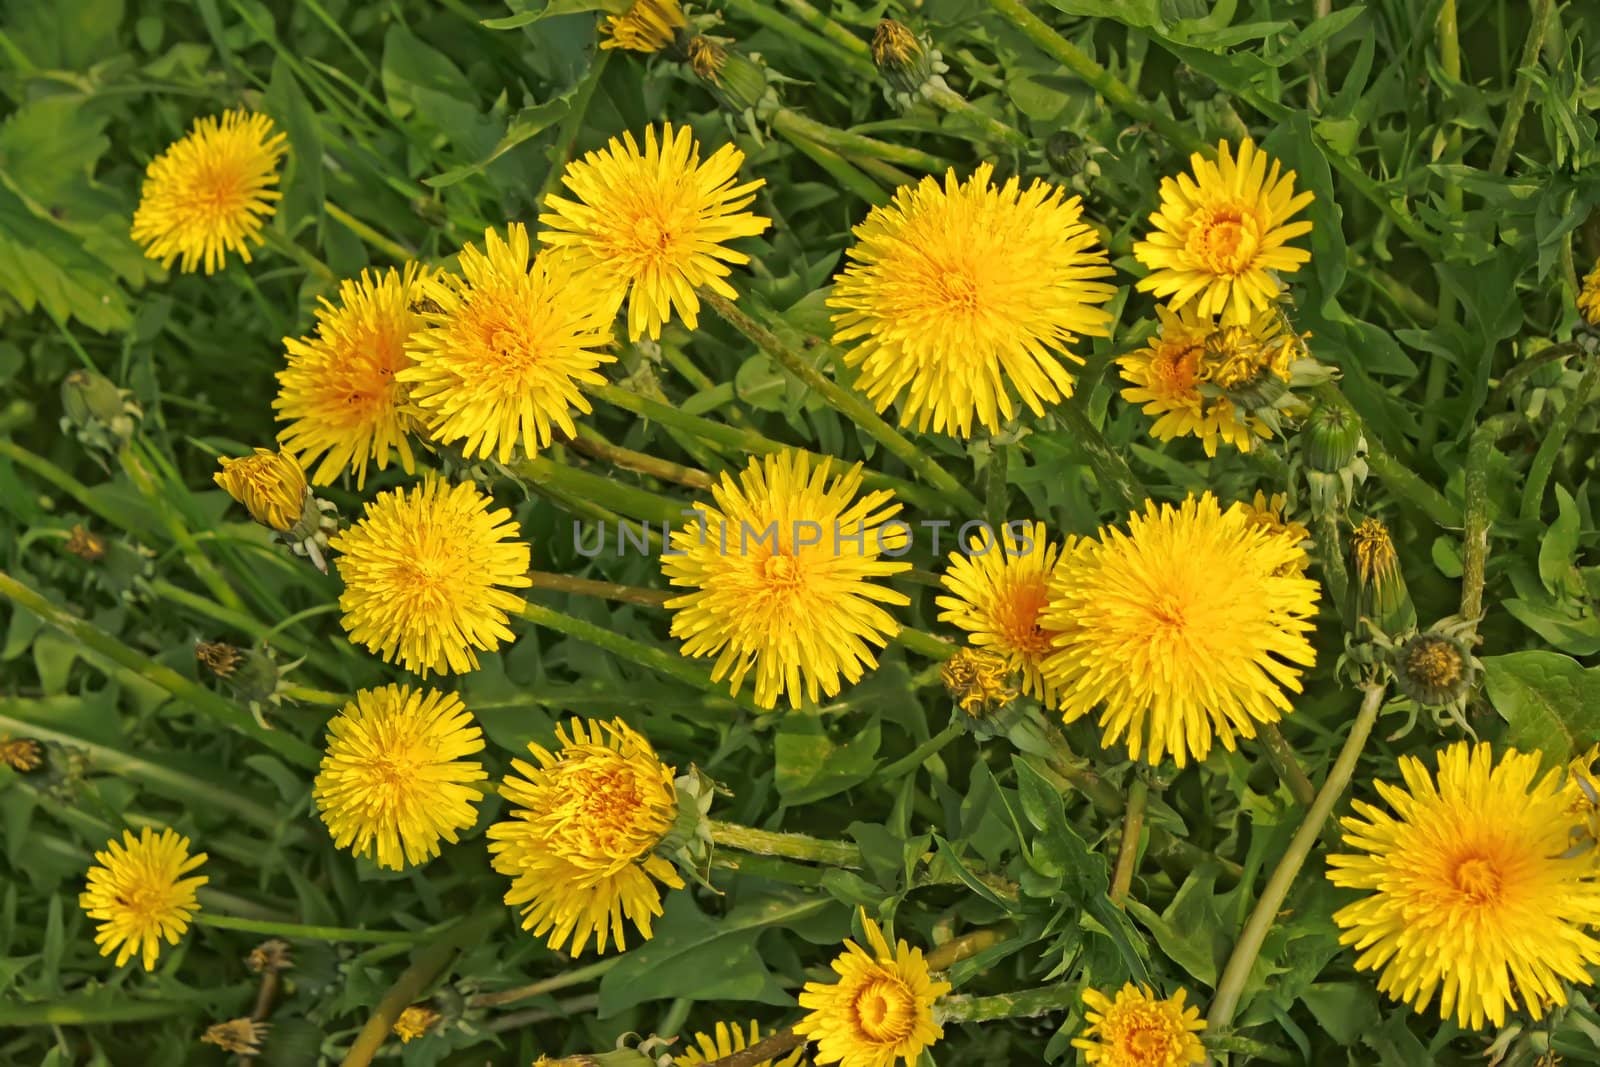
<point>414,125</point>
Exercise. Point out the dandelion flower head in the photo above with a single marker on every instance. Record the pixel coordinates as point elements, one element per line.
<point>1139,1029</point>
<point>138,894</point>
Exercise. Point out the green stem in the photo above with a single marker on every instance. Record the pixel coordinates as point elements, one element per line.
<point>591,443</point>
<point>83,1011</point>
<point>1111,472</point>
<point>244,623</point>
<point>1438,366</point>
<point>1128,847</point>
<point>1237,972</point>
<point>925,644</point>
<point>762,11</point>
<point>666,663</point>
<point>395,251</point>
<point>839,169</point>
<point>995,503</point>
<point>1523,88</point>
<point>1330,553</point>
<point>302,932</point>
<point>1544,461</point>
<point>921,754</point>
<point>847,403</point>
<point>426,967</point>
<point>1394,474</point>
<point>808,13</point>
<point>749,441</point>
<point>629,500</point>
<point>785,846</point>
<point>564,980</point>
<point>196,696</point>
<point>143,480</point>
<point>322,698</point>
<point>851,145</point>
<point>625,594</point>
<point>285,244</point>
<point>953,102</point>
<point>1475,536</point>
<point>1023,1004</point>
<point>1283,761</point>
<point>1080,63</point>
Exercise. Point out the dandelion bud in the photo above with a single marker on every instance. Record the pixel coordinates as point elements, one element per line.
<point>414,1022</point>
<point>1380,587</point>
<point>910,66</point>
<point>21,754</point>
<point>688,842</point>
<point>273,488</point>
<point>706,58</point>
<point>242,1037</point>
<point>218,657</point>
<point>1331,438</point>
<point>978,682</point>
<point>96,411</point>
<point>739,83</point>
<point>1434,669</point>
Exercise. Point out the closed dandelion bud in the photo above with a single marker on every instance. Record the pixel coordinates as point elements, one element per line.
<point>21,754</point>
<point>740,83</point>
<point>1380,586</point>
<point>706,59</point>
<point>218,657</point>
<point>901,57</point>
<point>96,411</point>
<point>273,489</point>
<point>1435,669</point>
<point>257,680</point>
<point>272,956</point>
<point>1331,438</point>
<point>688,842</point>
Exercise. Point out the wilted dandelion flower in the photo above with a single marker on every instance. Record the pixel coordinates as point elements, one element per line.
<point>209,193</point>
<point>726,1040</point>
<point>414,1022</point>
<point>1373,548</point>
<point>1139,1029</point>
<point>978,681</point>
<point>269,484</point>
<point>242,1036</point>
<point>999,592</point>
<point>579,844</point>
<point>1470,889</point>
<point>499,362</point>
<point>647,26</point>
<point>340,393</point>
<point>1589,297</point>
<point>426,576</point>
<point>21,754</point>
<point>879,1011</point>
<point>1220,237</point>
<point>138,895</point>
<point>706,58</point>
<point>1185,629</point>
<point>654,225</point>
<point>959,295</point>
<point>393,781</point>
<point>782,570</point>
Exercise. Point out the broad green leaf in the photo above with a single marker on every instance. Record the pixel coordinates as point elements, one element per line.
<point>1550,701</point>
<point>810,766</point>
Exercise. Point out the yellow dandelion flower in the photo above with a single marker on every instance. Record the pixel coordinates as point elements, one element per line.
<point>654,225</point>
<point>339,392</point>
<point>426,575</point>
<point>579,844</point>
<point>879,1011</point>
<point>1220,237</point>
<point>978,681</point>
<point>269,484</point>
<point>999,593</point>
<point>414,1022</point>
<point>1185,629</point>
<point>647,26</point>
<point>1589,297</point>
<point>209,193</point>
<point>501,357</point>
<point>393,780</point>
<point>1266,513</point>
<point>138,895</point>
<point>1582,794</point>
<point>782,570</point>
<point>1470,889</point>
<point>1139,1029</point>
<point>959,295</point>
<point>726,1040</point>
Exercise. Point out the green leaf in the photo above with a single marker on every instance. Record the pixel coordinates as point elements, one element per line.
<point>1550,701</point>
<point>1191,930</point>
<point>810,766</point>
<point>1558,552</point>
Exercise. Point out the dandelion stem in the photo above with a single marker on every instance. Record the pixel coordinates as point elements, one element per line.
<point>395,251</point>
<point>1445,30</point>
<point>925,644</point>
<point>564,980</point>
<point>1544,460</point>
<point>953,102</point>
<point>994,485</point>
<point>626,594</point>
<point>1475,536</point>
<point>847,404</point>
<point>1117,92</point>
<point>1507,139</point>
<point>762,11</point>
<point>784,845</point>
<point>322,698</point>
<point>143,480</point>
<point>667,663</point>
<point>607,492</point>
<point>1132,830</point>
<point>840,35</point>
<point>299,931</point>
<point>591,443</point>
<point>287,245</point>
<point>1237,972</point>
<point>855,145</point>
<point>1330,553</point>
<point>1023,1004</point>
<point>1283,761</point>
<point>187,692</point>
<point>846,173</point>
<point>922,753</point>
<point>426,967</point>
<point>91,1011</point>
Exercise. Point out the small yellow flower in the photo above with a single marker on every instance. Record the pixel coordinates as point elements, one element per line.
<point>21,754</point>
<point>879,1011</point>
<point>579,844</point>
<point>979,681</point>
<point>1138,1029</point>
<point>426,576</point>
<point>138,895</point>
<point>269,484</point>
<point>502,355</point>
<point>1220,238</point>
<point>725,1041</point>
<point>654,225</point>
<point>999,593</point>
<point>393,780</point>
<point>781,571</point>
<point>209,193</point>
<point>1186,629</point>
<point>242,1036</point>
<point>1471,887</point>
<point>960,295</point>
<point>647,26</point>
<point>414,1022</point>
<point>340,393</point>
<point>1589,297</point>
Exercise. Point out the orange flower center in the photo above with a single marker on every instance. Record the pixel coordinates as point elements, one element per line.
<point>1225,238</point>
<point>1478,880</point>
<point>1175,366</point>
<point>1018,617</point>
<point>885,1010</point>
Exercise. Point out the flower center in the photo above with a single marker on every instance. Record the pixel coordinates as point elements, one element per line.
<point>1176,366</point>
<point>781,569</point>
<point>1224,239</point>
<point>1019,619</point>
<point>958,291</point>
<point>885,1010</point>
<point>1434,663</point>
<point>1478,881</point>
<point>610,802</point>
